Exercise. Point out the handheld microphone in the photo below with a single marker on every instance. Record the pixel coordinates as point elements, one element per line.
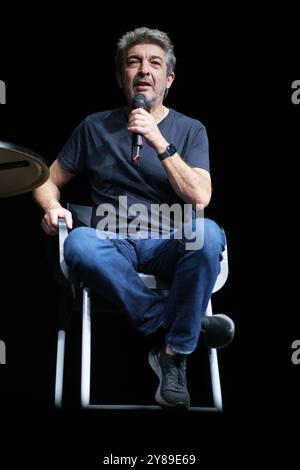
<point>138,101</point>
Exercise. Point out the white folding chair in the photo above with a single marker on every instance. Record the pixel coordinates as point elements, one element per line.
<point>82,216</point>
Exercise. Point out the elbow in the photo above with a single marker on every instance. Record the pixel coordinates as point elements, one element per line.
<point>202,199</point>
<point>206,199</point>
<point>202,192</point>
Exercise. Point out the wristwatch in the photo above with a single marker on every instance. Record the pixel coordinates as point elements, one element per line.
<point>170,150</point>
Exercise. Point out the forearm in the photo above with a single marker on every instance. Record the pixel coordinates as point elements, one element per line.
<point>190,185</point>
<point>193,185</point>
<point>47,196</point>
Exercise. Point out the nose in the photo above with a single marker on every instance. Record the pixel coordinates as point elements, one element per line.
<point>144,68</point>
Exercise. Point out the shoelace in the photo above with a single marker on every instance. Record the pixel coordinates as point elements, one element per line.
<point>175,371</point>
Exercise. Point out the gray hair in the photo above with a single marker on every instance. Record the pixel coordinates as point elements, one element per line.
<point>145,36</point>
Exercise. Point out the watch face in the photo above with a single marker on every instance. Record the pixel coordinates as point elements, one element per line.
<point>171,149</point>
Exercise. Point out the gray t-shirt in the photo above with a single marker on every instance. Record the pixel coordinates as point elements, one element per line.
<point>101,146</point>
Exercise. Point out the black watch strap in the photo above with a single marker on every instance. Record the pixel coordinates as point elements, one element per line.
<point>170,150</point>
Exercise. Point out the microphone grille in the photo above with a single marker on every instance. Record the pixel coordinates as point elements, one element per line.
<point>139,101</point>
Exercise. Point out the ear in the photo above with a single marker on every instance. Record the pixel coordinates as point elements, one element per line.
<point>119,79</point>
<point>170,79</point>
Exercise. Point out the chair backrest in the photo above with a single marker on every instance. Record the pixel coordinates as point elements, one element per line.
<point>223,275</point>
<point>82,215</point>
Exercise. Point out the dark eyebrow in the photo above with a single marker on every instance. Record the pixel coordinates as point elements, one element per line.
<point>137,56</point>
<point>156,57</point>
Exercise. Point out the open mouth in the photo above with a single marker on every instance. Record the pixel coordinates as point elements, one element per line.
<point>142,84</point>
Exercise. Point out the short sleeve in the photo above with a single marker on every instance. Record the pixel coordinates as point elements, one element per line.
<point>197,149</point>
<point>72,157</point>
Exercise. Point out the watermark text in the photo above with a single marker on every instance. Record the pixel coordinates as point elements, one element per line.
<point>2,92</point>
<point>296,354</point>
<point>139,221</point>
<point>2,352</point>
<point>296,94</point>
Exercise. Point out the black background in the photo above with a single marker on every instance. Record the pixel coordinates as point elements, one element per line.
<point>236,78</point>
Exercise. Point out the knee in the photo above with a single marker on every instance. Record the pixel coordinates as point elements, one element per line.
<point>214,238</point>
<point>209,240</point>
<point>84,247</point>
<point>77,243</point>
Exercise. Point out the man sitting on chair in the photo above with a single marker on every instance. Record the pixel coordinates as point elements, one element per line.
<point>142,156</point>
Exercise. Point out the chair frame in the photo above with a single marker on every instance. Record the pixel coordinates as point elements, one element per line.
<point>83,215</point>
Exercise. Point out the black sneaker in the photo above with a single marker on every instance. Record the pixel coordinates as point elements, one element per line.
<point>171,371</point>
<point>217,330</point>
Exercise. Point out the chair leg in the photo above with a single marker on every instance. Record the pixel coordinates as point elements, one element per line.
<point>59,375</point>
<point>86,364</point>
<point>86,348</point>
<point>214,371</point>
<point>64,318</point>
<point>215,379</point>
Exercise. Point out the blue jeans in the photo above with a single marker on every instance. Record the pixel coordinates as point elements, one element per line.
<point>110,267</point>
